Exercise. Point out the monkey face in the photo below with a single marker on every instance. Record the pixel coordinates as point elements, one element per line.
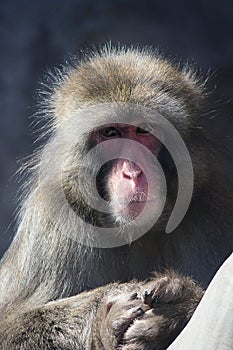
<point>123,182</point>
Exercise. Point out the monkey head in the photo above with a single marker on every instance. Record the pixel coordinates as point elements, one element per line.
<point>131,114</point>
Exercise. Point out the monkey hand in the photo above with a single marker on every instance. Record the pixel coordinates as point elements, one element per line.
<point>152,317</point>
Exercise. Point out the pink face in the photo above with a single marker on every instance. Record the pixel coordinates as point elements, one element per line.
<point>126,182</point>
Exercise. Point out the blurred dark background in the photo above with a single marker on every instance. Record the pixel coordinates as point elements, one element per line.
<point>38,35</point>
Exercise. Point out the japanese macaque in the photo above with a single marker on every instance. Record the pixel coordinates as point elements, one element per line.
<point>113,175</point>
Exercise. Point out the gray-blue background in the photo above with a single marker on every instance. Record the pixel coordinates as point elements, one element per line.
<point>36,35</point>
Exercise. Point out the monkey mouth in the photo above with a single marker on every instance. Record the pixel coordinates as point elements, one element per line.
<point>133,203</point>
<point>138,198</point>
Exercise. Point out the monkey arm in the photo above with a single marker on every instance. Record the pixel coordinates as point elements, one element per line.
<point>64,324</point>
<point>129,316</point>
<point>73,323</point>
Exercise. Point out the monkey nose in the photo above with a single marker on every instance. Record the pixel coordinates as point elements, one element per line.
<point>131,171</point>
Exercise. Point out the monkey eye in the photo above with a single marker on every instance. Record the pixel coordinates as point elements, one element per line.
<point>143,129</point>
<point>110,131</point>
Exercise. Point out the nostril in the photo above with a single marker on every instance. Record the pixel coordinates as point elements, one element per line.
<point>131,175</point>
<point>127,175</point>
